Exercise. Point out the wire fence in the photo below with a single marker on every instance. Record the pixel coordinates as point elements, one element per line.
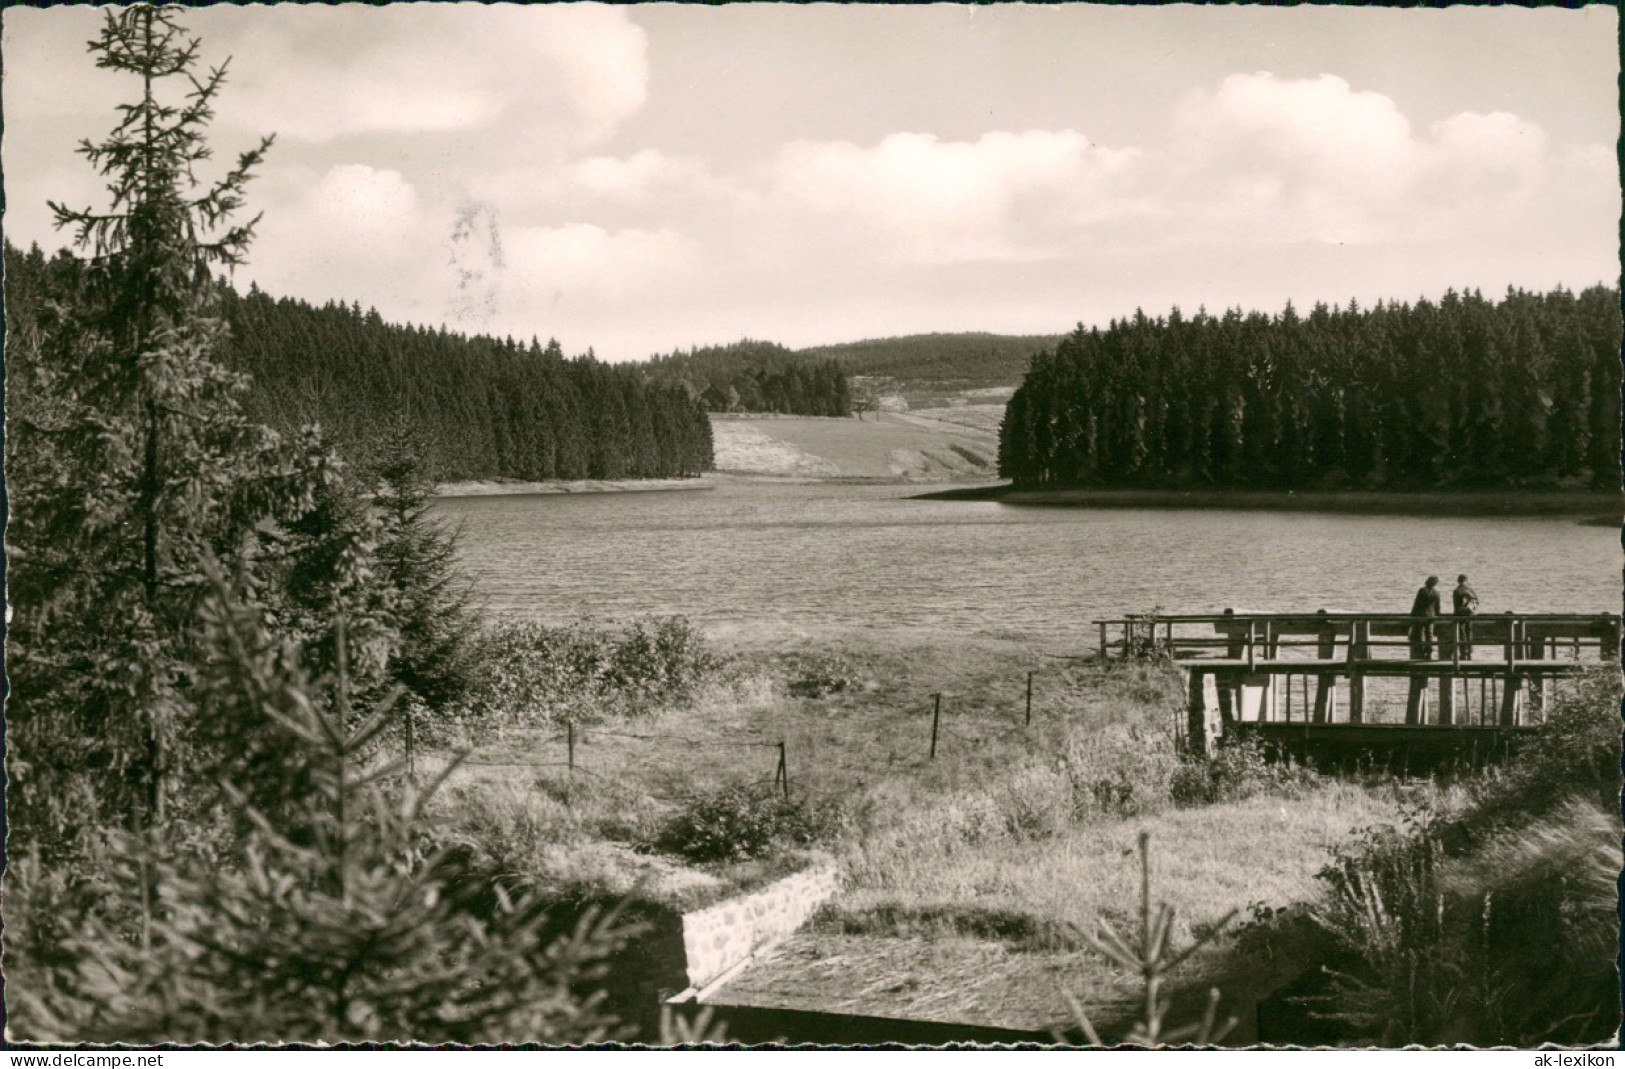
<point>944,736</point>
<point>576,740</point>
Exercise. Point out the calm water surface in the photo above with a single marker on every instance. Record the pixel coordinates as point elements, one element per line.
<point>764,557</point>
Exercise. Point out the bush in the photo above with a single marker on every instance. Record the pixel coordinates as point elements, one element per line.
<point>1578,747</point>
<point>531,671</point>
<point>744,821</point>
<point>1236,770</point>
<point>1512,942</point>
<point>818,675</point>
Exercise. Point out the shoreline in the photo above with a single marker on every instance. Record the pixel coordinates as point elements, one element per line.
<point>514,487</point>
<point>1596,508</point>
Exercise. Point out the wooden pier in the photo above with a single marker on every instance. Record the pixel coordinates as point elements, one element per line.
<point>1304,682</point>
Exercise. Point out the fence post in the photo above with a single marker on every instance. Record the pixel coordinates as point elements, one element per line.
<point>1029,699</point>
<point>936,718</point>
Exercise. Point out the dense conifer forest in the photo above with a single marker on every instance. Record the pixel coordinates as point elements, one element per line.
<point>1461,393</point>
<point>472,407</point>
<point>756,376</point>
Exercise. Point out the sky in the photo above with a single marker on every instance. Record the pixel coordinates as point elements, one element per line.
<point>646,178</point>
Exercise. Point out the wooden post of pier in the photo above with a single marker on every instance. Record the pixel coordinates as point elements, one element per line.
<point>1196,720</point>
<point>1416,702</point>
<point>1029,699</point>
<point>936,718</point>
<point>1326,685</point>
<point>1447,698</point>
<point>1511,705</point>
<point>1359,650</point>
<point>1537,680</point>
<point>1102,626</point>
<point>1512,686</point>
<point>1228,682</point>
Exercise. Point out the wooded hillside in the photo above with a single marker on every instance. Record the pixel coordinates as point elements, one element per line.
<point>756,376</point>
<point>1463,393</point>
<point>475,407</point>
<point>959,361</point>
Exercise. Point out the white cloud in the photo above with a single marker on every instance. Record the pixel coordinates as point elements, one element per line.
<point>1003,196</point>
<point>362,201</point>
<point>580,261</point>
<point>1271,159</point>
<point>808,223</point>
<point>557,77</point>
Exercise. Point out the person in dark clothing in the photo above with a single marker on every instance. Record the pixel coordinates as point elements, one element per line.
<point>1426,606</point>
<point>1465,602</point>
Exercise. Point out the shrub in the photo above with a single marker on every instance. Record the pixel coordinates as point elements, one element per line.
<point>1577,747</point>
<point>529,671</point>
<point>815,675</point>
<point>744,821</point>
<point>1511,943</point>
<point>1036,803</point>
<point>1236,770</point>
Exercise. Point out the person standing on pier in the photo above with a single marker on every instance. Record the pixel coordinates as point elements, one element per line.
<point>1426,607</point>
<point>1465,602</point>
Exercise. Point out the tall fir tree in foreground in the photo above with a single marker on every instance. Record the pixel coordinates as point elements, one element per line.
<point>134,461</point>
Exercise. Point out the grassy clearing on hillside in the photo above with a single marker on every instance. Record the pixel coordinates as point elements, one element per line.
<point>985,418</point>
<point>880,446</point>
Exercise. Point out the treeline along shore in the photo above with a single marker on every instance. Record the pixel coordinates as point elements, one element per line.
<point>1601,506</point>
<point>1459,394</point>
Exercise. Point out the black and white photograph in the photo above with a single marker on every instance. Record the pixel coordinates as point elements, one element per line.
<point>856,525</point>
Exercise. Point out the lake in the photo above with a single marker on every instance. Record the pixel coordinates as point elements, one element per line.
<point>780,558</point>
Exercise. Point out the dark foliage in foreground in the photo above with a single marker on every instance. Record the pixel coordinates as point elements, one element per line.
<point>211,627</point>
<point>1462,393</point>
<point>326,918</point>
<point>1496,925</point>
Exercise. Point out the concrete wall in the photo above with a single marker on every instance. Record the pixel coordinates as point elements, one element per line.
<point>717,938</point>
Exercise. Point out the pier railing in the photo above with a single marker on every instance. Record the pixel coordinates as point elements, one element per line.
<point>1241,666</point>
<point>1538,642</point>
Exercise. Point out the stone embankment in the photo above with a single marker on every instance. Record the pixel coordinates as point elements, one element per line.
<point>721,938</point>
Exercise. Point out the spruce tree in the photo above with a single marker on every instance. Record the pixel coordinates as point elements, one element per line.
<point>139,464</point>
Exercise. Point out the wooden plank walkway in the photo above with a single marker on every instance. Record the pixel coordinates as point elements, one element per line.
<point>1248,668</point>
